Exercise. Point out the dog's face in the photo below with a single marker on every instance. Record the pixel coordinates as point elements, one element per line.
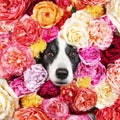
<point>60,60</point>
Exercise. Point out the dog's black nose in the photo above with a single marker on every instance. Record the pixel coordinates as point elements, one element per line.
<point>61,73</point>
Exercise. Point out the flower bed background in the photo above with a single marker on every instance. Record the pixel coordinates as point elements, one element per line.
<point>92,26</point>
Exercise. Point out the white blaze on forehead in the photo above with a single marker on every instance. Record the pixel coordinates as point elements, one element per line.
<point>61,61</point>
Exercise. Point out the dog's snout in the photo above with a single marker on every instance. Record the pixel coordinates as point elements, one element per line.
<point>61,73</point>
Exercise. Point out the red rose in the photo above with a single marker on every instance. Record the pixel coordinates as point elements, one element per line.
<point>27,31</point>
<point>84,100</point>
<point>111,54</point>
<point>11,10</point>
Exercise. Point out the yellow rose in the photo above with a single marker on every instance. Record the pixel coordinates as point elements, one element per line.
<point>8,101</point>
<point>47,14</point>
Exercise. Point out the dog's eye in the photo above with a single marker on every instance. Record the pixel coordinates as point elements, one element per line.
<point>49,54</point>
<point>72,54</point>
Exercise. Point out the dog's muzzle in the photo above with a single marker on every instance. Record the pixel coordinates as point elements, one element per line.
<point>61,73</point>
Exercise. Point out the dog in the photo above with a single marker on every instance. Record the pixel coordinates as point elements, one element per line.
<point>60,60</point>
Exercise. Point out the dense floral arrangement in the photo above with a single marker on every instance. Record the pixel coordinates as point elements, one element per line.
<point>92,26</point>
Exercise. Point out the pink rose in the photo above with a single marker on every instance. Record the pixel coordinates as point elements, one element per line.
<point>16,59</point>
<point>19,87</point>
<point>50,34</point>
<point>55,108</point>
<point>90,55</point>
<point>94,2</point>
<point>96,72</point>
<point>49,90</point>
<point>27,31</point>
<point>35,77</point>
<point>11,10</point>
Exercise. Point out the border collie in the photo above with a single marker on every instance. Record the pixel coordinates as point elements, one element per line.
<point>60,60</point>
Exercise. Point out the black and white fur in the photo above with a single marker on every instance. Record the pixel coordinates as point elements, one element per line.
<point>60,60</point>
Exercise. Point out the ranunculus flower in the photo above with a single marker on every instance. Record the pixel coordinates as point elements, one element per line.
<point>95,2</point>
<point>12,10</point>
<point>18,85</point>
<point>112,11</point>
<point>97,72</point>
<point>35,77</point>
<point>85,99</point>
<point>8,101</point>
<point>55,108</point>
<point>27,31</point>
<point>47,14</point>
<point>111,54</point>
<point>106,96</point>
<point>49,34</point>
<point>49,90</point>
<point>31,113</point>
<point>74,33</point>
<point>113,75</point>
<point>16,59</point>
<point>90,55</point>
<point>100,34</point>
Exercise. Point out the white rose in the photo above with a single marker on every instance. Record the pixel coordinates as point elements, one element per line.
<point>74,32</point>
<point>113,12</point>
<point>8,101</point>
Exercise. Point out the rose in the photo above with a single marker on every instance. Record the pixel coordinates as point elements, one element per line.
<point>55,108</point>
<point>47,14</point>
<point>74,33</point>
<point>50,34</point>
<point>16,58</point>
<point>12,10</point>
<point>18,85</point>
<point>35,77</point>
<point>100,34</point>
<point>112,10</point>
<point>85,99</point>
<point>111,54</point>
<point>8,101</point>
<point>27,31</point>
<point>90,55</point>
<point>48,90</point>
<point>32,113</point>
<point>95,2</point>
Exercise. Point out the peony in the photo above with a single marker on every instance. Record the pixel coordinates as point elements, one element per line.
<point>49,34</point>
<point>8,101</point>
<point>85,99</point>
<point>90,55</point>
<point>112,11</point>
<point>16,59</point>
<point>18,86</point>
<point>49,90</point>
<point>95,2</point>
<point>55,108</point>
<point>12,10</point>
<point>27,31</point>
<point>31,113</point>
<point>35,77</point>
<point>100,34</point>
<point>47,14</point>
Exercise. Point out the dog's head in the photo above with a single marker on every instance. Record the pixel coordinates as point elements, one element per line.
<point>60,60</point>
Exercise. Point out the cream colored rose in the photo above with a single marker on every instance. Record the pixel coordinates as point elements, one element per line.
<point>113,12</point>
<point>74,33</point>
<point>8,101</point>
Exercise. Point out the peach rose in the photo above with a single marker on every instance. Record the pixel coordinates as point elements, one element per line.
<point>47,14</point>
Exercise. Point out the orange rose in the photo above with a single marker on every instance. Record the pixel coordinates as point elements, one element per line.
<point>47,14</point>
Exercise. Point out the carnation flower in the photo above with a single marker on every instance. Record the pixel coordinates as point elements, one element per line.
<point>32,113</point>
<point>49,90</point>
<point>85,99</point>
<point>18,86</point>
<point>94,2</point>
<point>8,101</point>
<point>47,14</point>
<point>16,59</point>
<point>49,34</point>
<point>27,31</point>
<point>31,100</point>
<point>90,55</point>
<point>100,34</point>
<point>35,77</point>
<point>55,108</point>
